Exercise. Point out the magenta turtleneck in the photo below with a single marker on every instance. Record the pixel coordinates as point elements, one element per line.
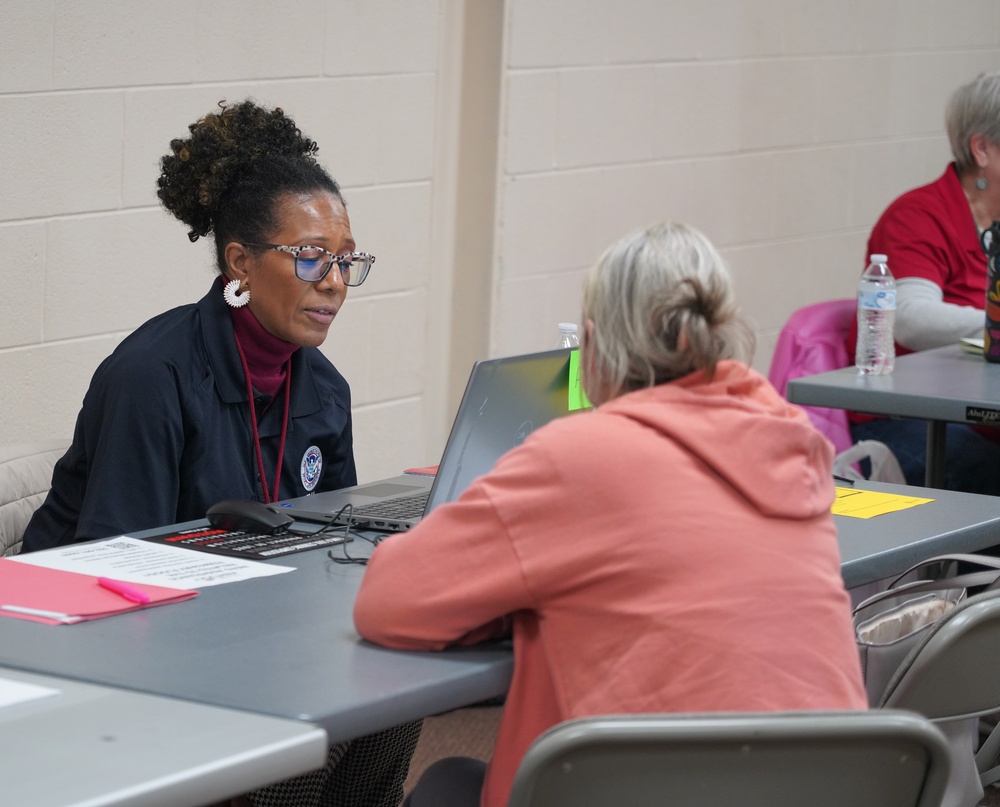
<point>266,362</point>
<point>267,355</point>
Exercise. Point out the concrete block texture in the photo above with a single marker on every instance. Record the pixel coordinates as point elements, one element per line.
<point>543,302</point>
<point>23,247</point>
<point>533,108</point>
<point>393,223</point>
<point>112,43</point>
<point>112,272</point>
<point>373,37</point>
<point>388,440</point>
<point>605,116</point>
<point>780,128</point>
<point>43,386</point>
<point>370,131</point>
<point>61,153</point>
<point>377,344</point>
<point>26,46</point>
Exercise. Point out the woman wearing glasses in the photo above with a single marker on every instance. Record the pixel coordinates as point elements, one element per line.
<point>229,397</point>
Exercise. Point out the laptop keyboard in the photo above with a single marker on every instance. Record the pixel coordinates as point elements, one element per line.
<point>404,507</point>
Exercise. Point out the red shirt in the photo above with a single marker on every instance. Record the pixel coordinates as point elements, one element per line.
<point>929,232</point>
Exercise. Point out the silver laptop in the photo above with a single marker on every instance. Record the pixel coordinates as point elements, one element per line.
<point>505,400</point>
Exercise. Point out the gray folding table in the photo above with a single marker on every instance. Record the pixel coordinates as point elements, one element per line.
<point>86,744</point>
<point>945,385</point>
<point>285,645</point>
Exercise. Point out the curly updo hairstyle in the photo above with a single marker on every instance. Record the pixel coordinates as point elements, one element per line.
<point>227,176</point>
<point>663,305</point>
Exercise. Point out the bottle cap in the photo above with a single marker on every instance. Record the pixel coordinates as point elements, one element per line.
<point>878,258</point>
<point>567,326</point>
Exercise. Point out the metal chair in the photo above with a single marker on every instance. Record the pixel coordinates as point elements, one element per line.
<point>952,678</point>
<point>879,758</point>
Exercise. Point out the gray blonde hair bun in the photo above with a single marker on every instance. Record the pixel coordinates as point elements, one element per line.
<point>663,305</point>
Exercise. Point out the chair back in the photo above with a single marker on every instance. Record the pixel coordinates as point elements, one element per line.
<point>952,673</point>
<point>25,478</point>
<point>814,341</point>
<point>951,678</point>
<point>873,758</point>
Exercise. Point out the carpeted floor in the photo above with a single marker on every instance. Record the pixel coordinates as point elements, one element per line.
<point>465,732</point>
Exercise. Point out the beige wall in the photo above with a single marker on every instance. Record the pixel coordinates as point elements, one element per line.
<point>779,128</point>
<point>488,152</point>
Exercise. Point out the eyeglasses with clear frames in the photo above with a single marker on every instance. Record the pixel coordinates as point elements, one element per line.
<point>312,263</point>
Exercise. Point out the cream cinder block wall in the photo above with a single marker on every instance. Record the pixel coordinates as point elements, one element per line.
<point>91,95</point>
<point>488,150</point>
<point>779,128</point>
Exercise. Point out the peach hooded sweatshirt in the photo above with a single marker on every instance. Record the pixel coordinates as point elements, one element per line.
<point>670,551</point>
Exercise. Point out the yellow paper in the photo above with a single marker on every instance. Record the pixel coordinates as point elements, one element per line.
<point>869,503</point>
<point>577,397</point>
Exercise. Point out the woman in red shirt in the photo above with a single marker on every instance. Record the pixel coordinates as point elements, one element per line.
<point>931,237</point>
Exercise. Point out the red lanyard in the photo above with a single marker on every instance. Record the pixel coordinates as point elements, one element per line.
<point>268,496</point>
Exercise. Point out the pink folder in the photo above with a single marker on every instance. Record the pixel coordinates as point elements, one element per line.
<point>55,597</point>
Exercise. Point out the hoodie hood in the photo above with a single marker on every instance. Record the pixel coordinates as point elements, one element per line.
<point>744,431</point>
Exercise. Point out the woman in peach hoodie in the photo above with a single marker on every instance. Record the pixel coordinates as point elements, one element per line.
<point>671,550</point>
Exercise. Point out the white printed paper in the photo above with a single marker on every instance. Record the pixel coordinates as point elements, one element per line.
<point>135,561</point>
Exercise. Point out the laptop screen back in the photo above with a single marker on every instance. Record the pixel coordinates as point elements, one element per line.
<point>505,401</point>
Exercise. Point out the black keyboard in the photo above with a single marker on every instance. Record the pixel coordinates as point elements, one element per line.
<point>237,543</point>
<point>404,507</point>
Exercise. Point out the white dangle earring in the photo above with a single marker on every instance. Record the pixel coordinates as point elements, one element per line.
<point>231,294</point>
<point>981,183</point>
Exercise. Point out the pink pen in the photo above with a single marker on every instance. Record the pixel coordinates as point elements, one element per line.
<point>124,589</point>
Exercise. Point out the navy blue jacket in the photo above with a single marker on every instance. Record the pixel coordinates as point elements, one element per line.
<point>164,431</point>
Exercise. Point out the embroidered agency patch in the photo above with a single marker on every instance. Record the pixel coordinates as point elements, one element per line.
<point>312,467</point>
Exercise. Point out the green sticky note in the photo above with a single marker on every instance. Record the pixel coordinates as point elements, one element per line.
<point>577,397</point>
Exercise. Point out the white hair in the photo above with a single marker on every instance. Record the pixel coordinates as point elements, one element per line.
<point>974,108</point>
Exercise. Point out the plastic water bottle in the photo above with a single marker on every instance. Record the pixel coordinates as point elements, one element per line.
<point>876,350</point>
<point>567,335</point>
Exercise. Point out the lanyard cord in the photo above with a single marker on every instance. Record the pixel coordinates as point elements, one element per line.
<point>268,496</point>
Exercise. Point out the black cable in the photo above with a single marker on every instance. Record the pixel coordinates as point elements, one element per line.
<point>348,531</point>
